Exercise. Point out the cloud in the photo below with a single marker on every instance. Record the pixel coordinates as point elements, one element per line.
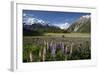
<point>24,14</point>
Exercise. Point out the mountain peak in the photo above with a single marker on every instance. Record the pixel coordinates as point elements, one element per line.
<point>64,25</point>
<point>83,24</point>
<point>86,16</point>
<point>31,21</point>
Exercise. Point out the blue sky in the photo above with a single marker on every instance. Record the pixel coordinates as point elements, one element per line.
<point>53,17</point>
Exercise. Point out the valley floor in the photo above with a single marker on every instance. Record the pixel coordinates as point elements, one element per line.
<point>56,47</point>
<point>47,35</point>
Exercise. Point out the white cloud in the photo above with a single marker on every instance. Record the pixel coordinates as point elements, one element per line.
<point>24,14</point>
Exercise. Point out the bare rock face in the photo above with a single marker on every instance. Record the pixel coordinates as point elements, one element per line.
<point>83,24</point>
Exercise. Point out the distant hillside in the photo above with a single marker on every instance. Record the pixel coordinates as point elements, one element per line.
<point>83,24</point>
<point>39,29</point>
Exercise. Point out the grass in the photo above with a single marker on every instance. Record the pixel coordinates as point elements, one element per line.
<point>68,35</point>
<point>81,49</point>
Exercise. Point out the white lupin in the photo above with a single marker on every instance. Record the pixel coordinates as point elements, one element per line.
<point>44,51</point>
<point>71,49</point>
<point>30,56</point>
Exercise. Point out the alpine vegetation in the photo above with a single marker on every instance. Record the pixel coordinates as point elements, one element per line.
<point>56,36</point>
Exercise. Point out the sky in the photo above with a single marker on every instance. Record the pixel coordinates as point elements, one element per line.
<point>60,19</point>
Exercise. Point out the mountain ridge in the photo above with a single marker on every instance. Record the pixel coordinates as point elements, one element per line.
<point>83,24</point>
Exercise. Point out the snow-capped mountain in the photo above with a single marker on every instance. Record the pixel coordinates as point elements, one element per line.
<point>62,25</point>
<point>30,21</point>
<point>83,24</point>
<point>83,19</point>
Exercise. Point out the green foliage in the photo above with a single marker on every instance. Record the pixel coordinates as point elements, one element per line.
<point>31,33</point>
<point>79,52</point>
<point>30,48</point>
<point>59,55</point>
